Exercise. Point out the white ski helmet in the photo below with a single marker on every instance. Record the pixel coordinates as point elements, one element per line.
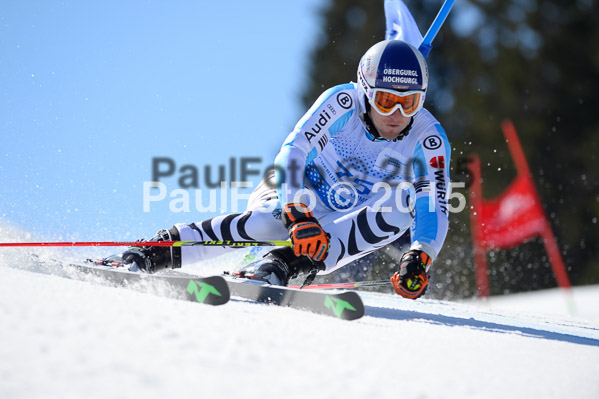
<point>396,67</point>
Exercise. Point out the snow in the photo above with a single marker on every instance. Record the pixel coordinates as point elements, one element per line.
<point>74,339</point>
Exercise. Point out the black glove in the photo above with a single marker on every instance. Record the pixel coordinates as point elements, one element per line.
<point>411,280</point>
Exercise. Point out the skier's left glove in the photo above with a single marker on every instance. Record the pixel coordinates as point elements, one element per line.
<point>411,280</point>
<point>306,234</point>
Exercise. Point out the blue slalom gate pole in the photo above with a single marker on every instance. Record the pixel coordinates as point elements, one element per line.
<point>426,45</point>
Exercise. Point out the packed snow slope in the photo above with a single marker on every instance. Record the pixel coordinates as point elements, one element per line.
<point>64,338</point>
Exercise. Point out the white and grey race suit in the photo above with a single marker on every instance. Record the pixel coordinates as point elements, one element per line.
<point>364,192</point>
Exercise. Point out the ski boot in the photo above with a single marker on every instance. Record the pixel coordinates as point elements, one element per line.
<point>149,259</point>
<point>281,265</point>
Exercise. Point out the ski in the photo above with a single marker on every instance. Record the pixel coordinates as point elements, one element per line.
<point>344,305</point>
<point>217,290</point>
<point>211,290</point>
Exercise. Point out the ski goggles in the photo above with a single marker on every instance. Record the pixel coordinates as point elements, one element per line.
<point>385,102</point>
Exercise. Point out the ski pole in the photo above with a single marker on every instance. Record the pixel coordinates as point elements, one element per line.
<point>355,284</point>
<point>426,45</point>
<point>224,243</point>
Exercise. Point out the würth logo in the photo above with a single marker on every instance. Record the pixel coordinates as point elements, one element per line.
<point>438,162</point>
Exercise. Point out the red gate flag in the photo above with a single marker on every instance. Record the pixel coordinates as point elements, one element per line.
<point>512,218</point>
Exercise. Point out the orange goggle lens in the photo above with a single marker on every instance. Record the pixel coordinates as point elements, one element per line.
<point>385,102</point>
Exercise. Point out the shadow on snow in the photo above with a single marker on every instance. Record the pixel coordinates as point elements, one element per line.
<point>450,321</point>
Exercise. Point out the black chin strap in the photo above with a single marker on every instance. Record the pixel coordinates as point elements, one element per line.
<point>406,131</point>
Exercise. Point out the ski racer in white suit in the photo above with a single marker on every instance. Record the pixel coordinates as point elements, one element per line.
<point>363,165</point>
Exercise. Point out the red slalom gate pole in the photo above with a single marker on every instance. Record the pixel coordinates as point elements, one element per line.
<point>237,244</point>
<point>225,243</point>
<point>355,284</point>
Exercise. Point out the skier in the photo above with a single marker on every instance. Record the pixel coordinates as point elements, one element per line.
<point>362,166</point>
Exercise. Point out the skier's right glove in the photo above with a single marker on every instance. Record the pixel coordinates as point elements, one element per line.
<point>411,280</point>
<point>307,236</point>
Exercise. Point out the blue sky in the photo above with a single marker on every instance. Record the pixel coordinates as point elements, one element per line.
<point>90,92</point>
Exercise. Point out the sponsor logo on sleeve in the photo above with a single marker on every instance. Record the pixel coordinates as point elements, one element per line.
<point>322,121</point>
<point>441,189</point>
<point>344,100</point>
<point>432,142</point>
<point>438,162</point>
<point>332,109</point>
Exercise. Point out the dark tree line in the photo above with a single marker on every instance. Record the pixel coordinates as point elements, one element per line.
<point>535,62</point>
